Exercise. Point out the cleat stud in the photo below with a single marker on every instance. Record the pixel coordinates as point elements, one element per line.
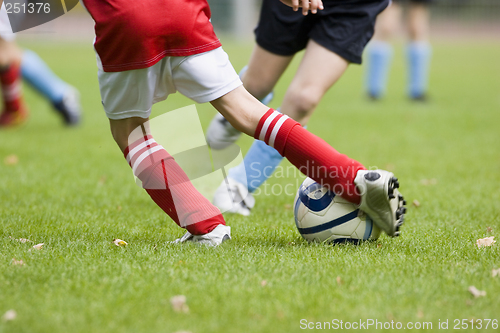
<point>404,202</point>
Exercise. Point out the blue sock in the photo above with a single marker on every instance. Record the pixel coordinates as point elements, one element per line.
<point>419,57</point>
<point>36,72</point>
<point>257,166</point>
<point>379,61</point>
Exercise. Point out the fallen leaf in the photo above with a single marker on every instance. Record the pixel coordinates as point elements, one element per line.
<point>390,167</point>
<point>102,180</point>
<point>379,245</point>
<point>416,203</point>
<point>179,304</point>
<point>488,241</point>
<point>119,242</point>
<point>495,272</point>
<point>427,182</point>
<point>17,262</point>
<point>263,283</point>
<point>9,315</point>
<point>11,160</point>
<point>420,314</point>
<point>489,230</point>
<point>38,246</point>
<point>339,280</point>
<point>476,292</point>
<point>21,240</point>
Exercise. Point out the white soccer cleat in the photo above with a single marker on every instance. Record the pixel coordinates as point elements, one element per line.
<point>220,234</point>
<point>381,200</point>
<point>220,133</point>
<point>233,197</point>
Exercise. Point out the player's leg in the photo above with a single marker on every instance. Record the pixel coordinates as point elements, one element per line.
<point>379,52</point>
<point>319,69</point>
<point>127,99</point>
<point>64,98</point>
<point>375,191</point>
<point>419,49</point>
<point>14,111</point>
<point>335,39</point>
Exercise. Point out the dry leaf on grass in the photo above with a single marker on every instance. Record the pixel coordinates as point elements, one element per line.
<point>488,241</point>
<point>416,203</point>
<point>339,280</point>
<point>119,242</point>
<point>179,304</point>
<point>489,230</point>
<point>11,160</point>
<point>21,240</point>
<point>427,182</point>
<point>17,262</point>
<point>420,314</point>
<point>9,315</point>
<point>38,246</point>
<point>263,283</point>
<point>476,292</point>
<point>495,272</point>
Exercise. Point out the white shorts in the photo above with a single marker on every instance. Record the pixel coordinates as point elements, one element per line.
<point>202,77</point>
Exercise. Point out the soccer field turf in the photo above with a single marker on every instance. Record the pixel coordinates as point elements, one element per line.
<point>72,190</point>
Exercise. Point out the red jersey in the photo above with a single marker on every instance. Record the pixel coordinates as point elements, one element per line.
<point>137,34</point>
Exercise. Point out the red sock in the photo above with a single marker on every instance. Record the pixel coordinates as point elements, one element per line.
<point>10,79</point>
<point>170,188</point>
<point>311,155</point>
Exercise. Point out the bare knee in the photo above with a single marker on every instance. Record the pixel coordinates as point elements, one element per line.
<point>9,53</point>
<point>301,103</point>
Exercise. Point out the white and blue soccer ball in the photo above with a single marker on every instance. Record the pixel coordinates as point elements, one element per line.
<point>322,216</point>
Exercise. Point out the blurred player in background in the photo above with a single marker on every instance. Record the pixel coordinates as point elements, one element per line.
<point>147,50</point>
<point>15,63</point>
<point>418,51</point>
<point>332,39</point>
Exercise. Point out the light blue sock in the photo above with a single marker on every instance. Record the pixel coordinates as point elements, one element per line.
<point>36,72</point>
<point>419,58</point>
<point>379,61</point>
<point>257,166</point>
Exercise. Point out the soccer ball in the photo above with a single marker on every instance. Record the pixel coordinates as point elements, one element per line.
<point>322,216</point>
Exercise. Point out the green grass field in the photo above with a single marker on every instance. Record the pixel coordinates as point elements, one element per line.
<point>72,190</point>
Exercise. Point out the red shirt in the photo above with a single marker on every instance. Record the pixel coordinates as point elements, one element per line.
<point>135,34</point>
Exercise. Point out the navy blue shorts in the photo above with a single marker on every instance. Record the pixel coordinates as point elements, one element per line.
<point>343,27</point>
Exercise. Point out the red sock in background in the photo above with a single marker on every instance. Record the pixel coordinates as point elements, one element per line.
<point>10,79</point>
<point>170,188</point>
<point>311,155</point>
